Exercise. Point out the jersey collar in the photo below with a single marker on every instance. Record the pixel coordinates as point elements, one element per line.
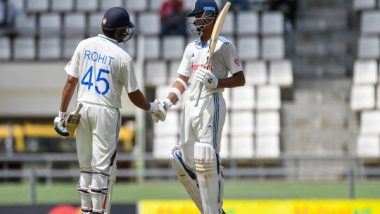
<point>109,39</point>
<point>201,44</point>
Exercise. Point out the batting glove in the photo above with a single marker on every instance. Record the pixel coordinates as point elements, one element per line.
<point>205,76</point>
<point>59,125</point>
<point>166,103</point>
<point>157,111</point>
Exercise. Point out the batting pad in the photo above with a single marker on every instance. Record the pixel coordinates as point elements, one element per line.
<point>208,178</point>
<point>99,191</point>
<point>186,176</point>
<point>83,189</point>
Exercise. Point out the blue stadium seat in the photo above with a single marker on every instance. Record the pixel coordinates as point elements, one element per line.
<point>370,122</point>
<point>136,6</point>
<point>24,48</point>
<point>365,72</point>
<point>26,24</point>
<point>272,23</point>
<point>152,48</point>
<point>87,5</point>
<point>247,23</point>
<point>62,6</point>
<point>368,146</point>
<point>362,97</point>
<point>256,72</point>
<point>273,48</point>
<point>49,48</point>
<point>242,123</point>
<point>268,97</point>
<point>368,20</point>
<point>155,73</point>
<point>173,47</point>
<point>243,98</point>
<point>106,4</point>
<point>149,23</point>
<point>37,6</point>
<point>281,73</point>
<point>267,123</point>
<point>248,48</point>
<point>50,24</point>
<point>364,4</point>
<point>369,47</point>
<point>74,24</point>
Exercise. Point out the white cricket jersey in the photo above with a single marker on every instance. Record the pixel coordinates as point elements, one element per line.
<point>102,69</point>
<point>225,60</point>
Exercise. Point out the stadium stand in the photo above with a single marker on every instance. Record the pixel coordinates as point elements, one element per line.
<point>49,30</point>
<point>365,89</point>
<point>260,123</point>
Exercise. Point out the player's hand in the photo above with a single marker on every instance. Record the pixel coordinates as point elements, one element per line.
<point>157,111</point>
<point>206,77</point>
<point>166,103</point>
<point>59,125</point>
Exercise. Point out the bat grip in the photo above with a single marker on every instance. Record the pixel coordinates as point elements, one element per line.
<point>78,108</point>
<point>200,87</point>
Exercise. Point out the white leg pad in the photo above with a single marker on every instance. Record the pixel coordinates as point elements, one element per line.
<point>206,163</point>
<point>99,191</point>
<point>83,190</point>
<point>186,176</point>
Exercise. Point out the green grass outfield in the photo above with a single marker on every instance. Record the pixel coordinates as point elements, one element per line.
<point>15,193</point>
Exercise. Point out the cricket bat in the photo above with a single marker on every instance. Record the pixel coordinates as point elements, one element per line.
<point>214,39</point>
<point>72,120</point>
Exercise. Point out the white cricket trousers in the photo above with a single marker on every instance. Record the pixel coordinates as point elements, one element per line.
<point>203,124</point>
<point>97,137</point>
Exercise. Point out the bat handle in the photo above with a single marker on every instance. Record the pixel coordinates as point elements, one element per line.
<point>78,108</point>
<point>200,87</point>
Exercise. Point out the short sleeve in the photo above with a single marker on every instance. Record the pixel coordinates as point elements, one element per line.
<point>72,67</point>
<point>185,66</point>
<point>128,77</point>
<point>232,59</point>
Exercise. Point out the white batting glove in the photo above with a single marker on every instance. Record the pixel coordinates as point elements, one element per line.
<point>206,77</point>
<point>157,111</point>
<point>59,125</point>
<point>166,103</point>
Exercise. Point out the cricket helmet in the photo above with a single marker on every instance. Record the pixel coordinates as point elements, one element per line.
<point>209,10</point>
<point>117,20</point>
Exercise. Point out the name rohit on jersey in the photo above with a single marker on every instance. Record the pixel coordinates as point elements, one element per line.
<point>98,57</point>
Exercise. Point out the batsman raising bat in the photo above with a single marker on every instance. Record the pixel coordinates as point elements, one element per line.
<point>101,69</point>
<point>196,158</point>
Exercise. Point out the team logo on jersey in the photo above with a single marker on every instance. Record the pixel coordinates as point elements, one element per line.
<point>104,21</point>
<point>237,62</point>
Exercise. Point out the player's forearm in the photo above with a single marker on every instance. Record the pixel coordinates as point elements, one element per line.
<point>68,92</point>
<point>139,100</point>
<point>236,80</point>
<point>180,84</point>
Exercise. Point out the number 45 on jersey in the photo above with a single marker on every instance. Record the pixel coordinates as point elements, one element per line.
<point>100,79</point>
